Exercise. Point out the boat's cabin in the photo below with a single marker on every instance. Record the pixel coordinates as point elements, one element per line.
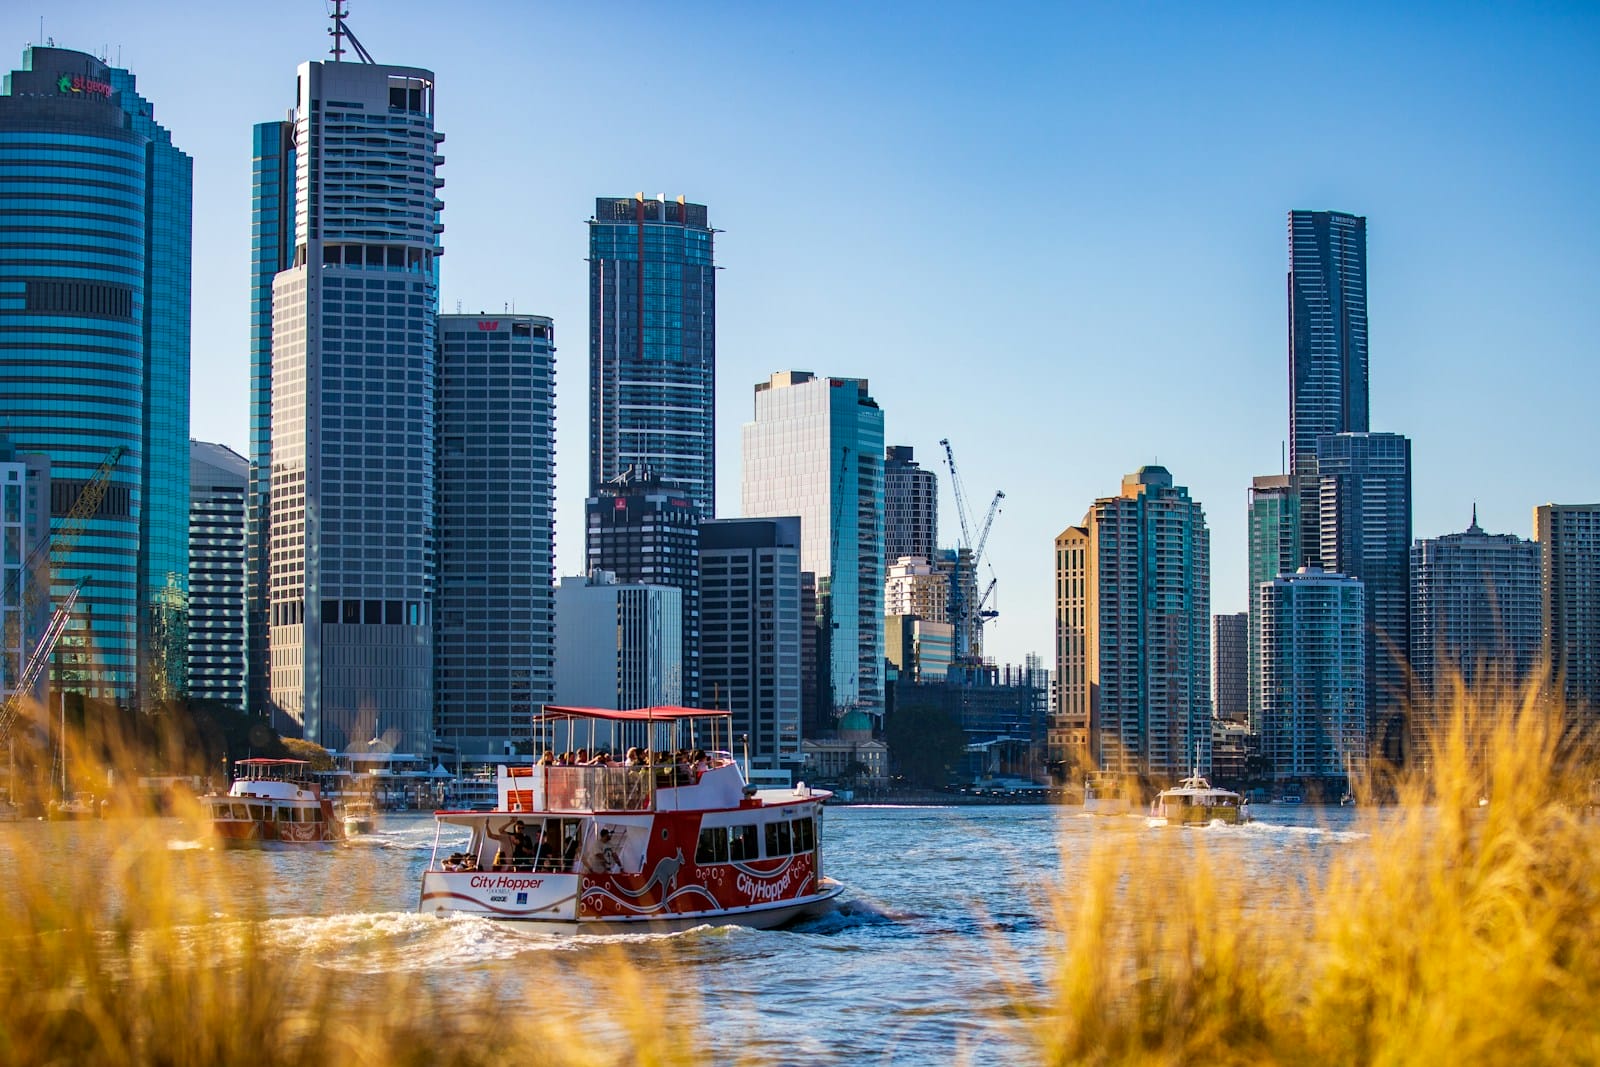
<point>618,843</point>
<point>287,780</point>
<point>297,771</point>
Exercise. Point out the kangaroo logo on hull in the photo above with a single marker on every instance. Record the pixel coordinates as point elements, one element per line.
<point>665,876</point>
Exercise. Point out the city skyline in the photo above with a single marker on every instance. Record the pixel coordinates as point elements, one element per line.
<point>1159,133</point>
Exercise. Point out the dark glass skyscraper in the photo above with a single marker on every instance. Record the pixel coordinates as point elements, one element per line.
<point>652,344</point>
<point>494,642</point>
<point>95,216</point>
<point>1327,345</point>
<point>910,507</point>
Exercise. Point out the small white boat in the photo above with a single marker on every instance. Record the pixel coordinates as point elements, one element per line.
<point>597,848</point>
<point>359,818</point>
<point>79,806</point>
<point>1196,802</point>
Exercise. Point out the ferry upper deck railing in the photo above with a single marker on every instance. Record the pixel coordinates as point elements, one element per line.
<point>593,788</point>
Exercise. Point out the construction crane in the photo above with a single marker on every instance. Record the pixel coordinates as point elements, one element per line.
<point>37,661</point>
<point>62,540</point>
<point>968,617</point>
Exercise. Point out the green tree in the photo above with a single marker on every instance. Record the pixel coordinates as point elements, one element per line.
<point>319,758</point>
<point>926,743</point>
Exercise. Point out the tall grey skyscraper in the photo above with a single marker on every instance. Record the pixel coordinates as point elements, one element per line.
<point>815,447</point>
<point>750,632</point>
<point>1474,608</point>
<point>95,219</point>
<point>1570,537</point>
<point>1133,622</point>
<point>1313,669</point>
<point>653,344</point>
<point>1365,525</point>
<point>494,634</point>
<point>350,403</point>
<point>218,479</point>
<point>1327,345</point>
<point>910,507</point>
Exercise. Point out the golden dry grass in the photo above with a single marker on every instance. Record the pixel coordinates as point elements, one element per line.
<point>149,955</point>
<point>1464,929</point>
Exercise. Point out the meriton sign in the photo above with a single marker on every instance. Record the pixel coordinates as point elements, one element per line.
<point>81,83</point>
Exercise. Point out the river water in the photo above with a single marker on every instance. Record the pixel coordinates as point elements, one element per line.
<point>944,921</point>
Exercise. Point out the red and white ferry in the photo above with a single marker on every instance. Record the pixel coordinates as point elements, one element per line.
<point>612,846</point>
<point>273,803</point>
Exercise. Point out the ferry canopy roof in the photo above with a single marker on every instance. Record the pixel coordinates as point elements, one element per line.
<point>659,713</point>
<point>262,761</point>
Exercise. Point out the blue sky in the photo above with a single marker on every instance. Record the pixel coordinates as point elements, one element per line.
<point>1054,234</point>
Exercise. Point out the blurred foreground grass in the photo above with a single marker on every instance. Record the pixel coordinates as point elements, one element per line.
<point>1465,929</point>
<point>150,954</point>
<point>1455,932</point>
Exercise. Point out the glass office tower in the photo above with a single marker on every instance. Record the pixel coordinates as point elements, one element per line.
<point>272,171</point>
<point>653,344</point>
<point>1327,346</point>
<point>349,557</point>
<point>815,448</point>
<point>1274,533</point>
<point>95,217</point>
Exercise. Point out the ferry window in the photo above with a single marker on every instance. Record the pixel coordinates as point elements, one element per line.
<point>258,811</point>
<point>713,847</point>
<point>777,839</point>
<point>805,835</point>
<point>239,811</point>
<point>316,814</point>
<point>742,843</point>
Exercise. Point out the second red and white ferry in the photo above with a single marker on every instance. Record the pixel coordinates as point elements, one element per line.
<point>664,844</point>
<point>273,803</point>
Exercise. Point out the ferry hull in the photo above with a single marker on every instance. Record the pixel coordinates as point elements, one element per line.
<point>554,901</point>
<point>1198,816</point>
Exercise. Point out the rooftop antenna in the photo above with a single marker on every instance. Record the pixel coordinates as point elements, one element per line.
<point>340,32</point>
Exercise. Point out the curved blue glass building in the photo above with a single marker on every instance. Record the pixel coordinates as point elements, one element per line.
<point>95,209</point>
